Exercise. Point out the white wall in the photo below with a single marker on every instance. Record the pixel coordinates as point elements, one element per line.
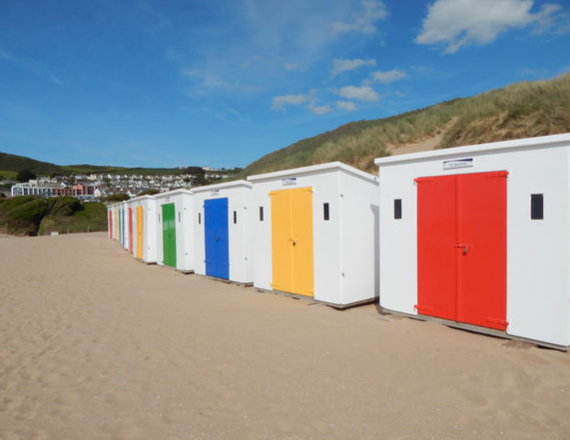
<point>538,255</point>
<point>360,244</point>
<point>149,228</point>
<point>125,235</point>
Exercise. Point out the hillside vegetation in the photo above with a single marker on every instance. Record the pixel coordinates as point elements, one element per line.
<point>520,110</point>
<point>10,164</point>
<point>13,163</point>
<point>29,215</point>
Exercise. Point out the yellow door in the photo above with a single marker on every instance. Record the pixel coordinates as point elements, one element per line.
<point>140,232</point>
<point>292,240</point>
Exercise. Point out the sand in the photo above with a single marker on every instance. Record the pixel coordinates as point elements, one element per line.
<point>96,345</point>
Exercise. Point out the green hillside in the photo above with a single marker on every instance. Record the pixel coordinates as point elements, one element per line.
<point>520,110</point>
<point>29,215</point>
<point>10,164</point>
<point>13,163</point>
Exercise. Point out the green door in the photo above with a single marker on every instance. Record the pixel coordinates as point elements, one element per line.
<point>168,235</point>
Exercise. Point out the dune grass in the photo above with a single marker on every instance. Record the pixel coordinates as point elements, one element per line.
<point>520,110</point>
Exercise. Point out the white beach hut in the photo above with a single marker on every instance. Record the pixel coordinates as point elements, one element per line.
<point>223,231</point>
<point>144,228</point>
<point>174,234</point>
<point>127,224</point>
<point>479,236</point>
<point>117,217</point>
<point>110,222</point>
<point>121,216</point>
<point>315,233</point>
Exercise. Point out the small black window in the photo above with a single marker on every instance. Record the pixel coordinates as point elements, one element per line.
<point>199,218</point>
<point>158,218</point>
<point>397,209</point>
<point>261,213</point>
<point>235,217</point>
<point>179,220</point>
<point>326,213</point>
<point>536,207</point>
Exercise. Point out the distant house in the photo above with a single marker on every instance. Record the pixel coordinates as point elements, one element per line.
<point>48,189</point>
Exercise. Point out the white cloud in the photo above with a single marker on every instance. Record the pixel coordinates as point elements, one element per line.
<point>365,21</point>
<point>363,93</point>
<point>279,102</point>
<point>346,105</point>
<point>388,76</point>
<point>319,109</point>
<point>456,23</point>
<point>340,66</point>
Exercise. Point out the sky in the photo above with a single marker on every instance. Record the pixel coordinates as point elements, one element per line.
<point>220,83</point>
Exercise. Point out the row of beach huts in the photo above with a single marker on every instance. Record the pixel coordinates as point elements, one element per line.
<point>477,237</point>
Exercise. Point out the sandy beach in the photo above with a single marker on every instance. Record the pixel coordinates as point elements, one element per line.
<point>96,345</point>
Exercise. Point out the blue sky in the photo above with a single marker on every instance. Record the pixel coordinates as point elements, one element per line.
<point>222,82</point>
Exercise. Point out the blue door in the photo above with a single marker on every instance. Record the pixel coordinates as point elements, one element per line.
<point>216,234</point>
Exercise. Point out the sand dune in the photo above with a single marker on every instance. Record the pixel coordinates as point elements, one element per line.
<point>95,345</point>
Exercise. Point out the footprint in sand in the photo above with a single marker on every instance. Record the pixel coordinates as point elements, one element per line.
<point>116,397</point>
<point>9,403</point>
<point>68,397</point>
<point>283,425</point>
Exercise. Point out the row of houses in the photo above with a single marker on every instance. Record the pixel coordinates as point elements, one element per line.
<point>477,237</point>
<point>48,189</point>
<point>95,186</point>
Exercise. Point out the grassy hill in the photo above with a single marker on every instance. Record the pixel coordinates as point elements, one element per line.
<point>34,216</point>
<point>520,110</point>
<point>10,164</point>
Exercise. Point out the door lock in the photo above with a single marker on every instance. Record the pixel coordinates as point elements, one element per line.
<point>464,247</point>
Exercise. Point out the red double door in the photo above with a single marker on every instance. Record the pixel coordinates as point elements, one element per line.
<point>462,248</point>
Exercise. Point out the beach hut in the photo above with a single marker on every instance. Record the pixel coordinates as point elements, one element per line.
<point>121,223</point>
<point>479,237</point>
<point>315,233</point>
<point>125,225</point>
<point>175,241</point>
<point>222,231</point>
<point>110,221</point>
<point>130,227</point>
<point>144,228</point>
<point>117,222</point>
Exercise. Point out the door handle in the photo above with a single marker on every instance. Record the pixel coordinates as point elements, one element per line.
<point>465,248</point>
<point>293,242</point>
